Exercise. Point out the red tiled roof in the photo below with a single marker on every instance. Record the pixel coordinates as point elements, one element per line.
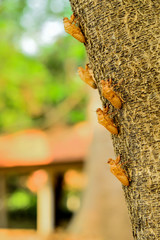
<point>25,148</point>
<point>35,147</point>
<point>71,143</point>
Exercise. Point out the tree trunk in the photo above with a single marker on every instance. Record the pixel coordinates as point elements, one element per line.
<point>122,41</point>
<point>103,208</point>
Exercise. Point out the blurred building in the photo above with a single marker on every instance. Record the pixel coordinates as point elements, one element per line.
<point>45,157</point>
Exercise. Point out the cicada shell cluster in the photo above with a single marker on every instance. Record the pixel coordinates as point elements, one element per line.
<point>107,91</point>
<point>71,28</point>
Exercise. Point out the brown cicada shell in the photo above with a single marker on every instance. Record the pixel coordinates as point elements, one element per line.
<point>118,171</point>
<point>87,76</point>
<point>71,28</point>
<point>105,120</point>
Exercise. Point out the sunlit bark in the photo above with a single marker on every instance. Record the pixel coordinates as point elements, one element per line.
<point>122,41</point>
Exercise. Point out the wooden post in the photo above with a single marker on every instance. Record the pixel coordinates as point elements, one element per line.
<point>45,207</point>
<point>3,212</point>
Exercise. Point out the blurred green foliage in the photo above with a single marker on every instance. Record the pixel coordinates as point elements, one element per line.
<point>39,86</point>
<point>35,84</point>
<point>20,203</point>
<point>21,200</point>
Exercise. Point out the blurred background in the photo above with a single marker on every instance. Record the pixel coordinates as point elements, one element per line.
<point>54,180</point>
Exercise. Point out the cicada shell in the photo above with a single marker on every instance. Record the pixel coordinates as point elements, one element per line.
<point>106,121</point>
<point>110,95</point>
<point>118,171</point>
<point>87,76</point>
<point>71,28</point>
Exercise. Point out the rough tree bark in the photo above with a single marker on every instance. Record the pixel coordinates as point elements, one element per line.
<point>103,207</point>
<point>122,41</point>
